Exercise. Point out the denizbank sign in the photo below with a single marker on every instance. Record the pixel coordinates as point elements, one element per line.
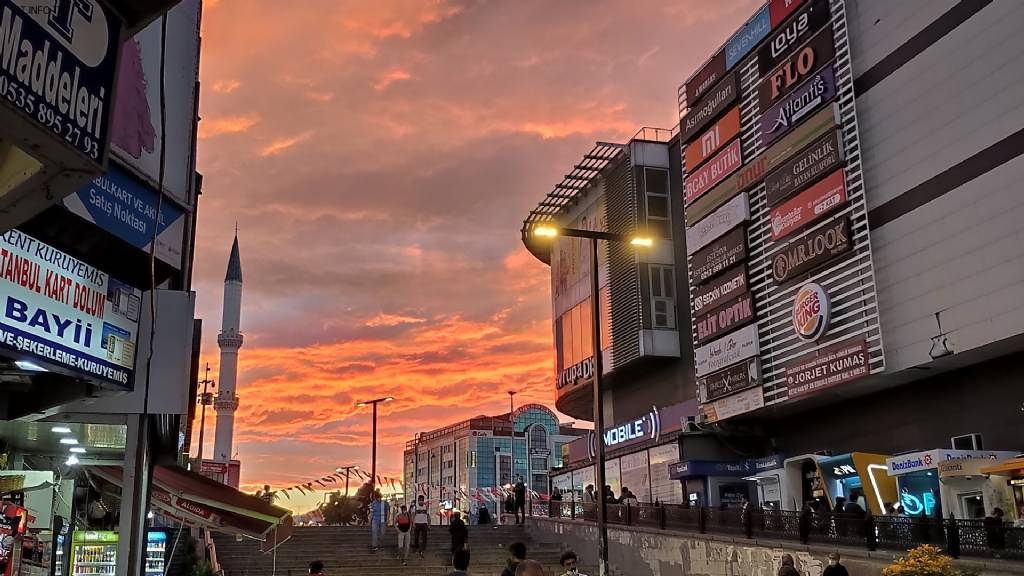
<point>59,310</point>
<point>930,459</point>
<point>58,61</point>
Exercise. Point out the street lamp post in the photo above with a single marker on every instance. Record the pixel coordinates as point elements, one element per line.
<point>347,469</point>
<point>206,399</point>
<point>595,323</point>
<point>373,462</point>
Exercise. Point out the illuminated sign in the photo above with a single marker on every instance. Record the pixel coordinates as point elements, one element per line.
<point>646,427</point>
<point>930,459</point>
<point>811,311</point>
<point>918,504</point>
<point>843,470</point>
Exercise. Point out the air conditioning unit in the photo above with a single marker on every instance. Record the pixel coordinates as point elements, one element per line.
<point>967,442</point>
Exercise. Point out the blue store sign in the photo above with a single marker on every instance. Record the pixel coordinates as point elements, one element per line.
<point>742,42</point>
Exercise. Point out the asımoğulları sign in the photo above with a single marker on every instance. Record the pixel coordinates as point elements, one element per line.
<point>63,311</point>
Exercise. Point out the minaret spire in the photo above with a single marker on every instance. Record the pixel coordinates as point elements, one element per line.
<point>229,340</point>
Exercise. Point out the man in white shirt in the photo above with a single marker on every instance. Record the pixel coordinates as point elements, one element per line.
<point>421,523</point>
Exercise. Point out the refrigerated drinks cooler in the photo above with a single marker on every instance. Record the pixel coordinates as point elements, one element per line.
<point>94,553</point>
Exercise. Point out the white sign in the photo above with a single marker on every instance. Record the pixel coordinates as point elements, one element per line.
<point>727,350</point>
<point>734,405</point>
<point>62,311</point>
<point>730,215</point>
<point>930,459</point>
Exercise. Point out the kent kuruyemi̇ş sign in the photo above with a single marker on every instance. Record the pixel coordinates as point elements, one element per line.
<point>62,311</point>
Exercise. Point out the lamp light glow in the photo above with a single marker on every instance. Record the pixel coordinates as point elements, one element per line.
<point>61,430</point>
<point>545,231</point>
<point>68,441</point>
<point>644,242</point>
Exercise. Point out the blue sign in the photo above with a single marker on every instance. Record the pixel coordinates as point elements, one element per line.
<point>742,42</point>
<point>57,65</point>
<point>123,206</point>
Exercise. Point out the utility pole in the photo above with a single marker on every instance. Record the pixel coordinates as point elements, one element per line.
<point>206,399</point>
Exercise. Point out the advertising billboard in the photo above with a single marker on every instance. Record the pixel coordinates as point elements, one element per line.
<point>725,318</point>
<point>732,214</point>
<point>721,254</point>
<point>705,78</point>
<point>718,99</point>
<point>782,41</point>
<point>59,310</point>
<point>811,250</point>
<point>136,136</point>
<point>712,140</point>
<point>726,351</point>
<point>749,36</point>
<point>714,171</point>
<point>797,67</point>
<point>822,157</point>
<point>832,366</point>
<point>809,206</point>
<point>57,68</point>
<point>730,285</point>
<point>729,381</point>
<point>814,93</point>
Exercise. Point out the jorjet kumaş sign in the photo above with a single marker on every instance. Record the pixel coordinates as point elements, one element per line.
<point>61,311</point>
<point>57,65</point>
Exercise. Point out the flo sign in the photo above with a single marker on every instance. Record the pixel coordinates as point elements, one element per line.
<point>58,61</point>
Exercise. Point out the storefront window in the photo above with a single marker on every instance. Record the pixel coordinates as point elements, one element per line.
<point>663,488</point>
<point>842,481</point>
<point>613,476</point>
<point>636,475</point>
<point>919,493</point>
<point>582,478</point>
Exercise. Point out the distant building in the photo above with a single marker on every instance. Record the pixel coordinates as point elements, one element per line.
<point>460,462</point>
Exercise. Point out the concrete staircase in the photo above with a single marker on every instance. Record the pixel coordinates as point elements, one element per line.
<point>344,550</point>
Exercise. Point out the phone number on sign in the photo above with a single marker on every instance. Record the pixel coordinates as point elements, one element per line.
<point>46,115</point>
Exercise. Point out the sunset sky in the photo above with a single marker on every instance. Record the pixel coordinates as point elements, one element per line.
<point>379,158</point>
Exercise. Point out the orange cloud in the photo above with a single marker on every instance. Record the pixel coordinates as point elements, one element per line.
<point>390,78</point>
<point>226,86</point>
<point>211,127</point>
<point>393,320</point>
<point>282,144</point>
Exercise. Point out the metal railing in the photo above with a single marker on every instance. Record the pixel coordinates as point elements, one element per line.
<point>956,537</point>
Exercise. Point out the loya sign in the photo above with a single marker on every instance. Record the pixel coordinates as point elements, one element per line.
<point>719,255</point>
<point>822,157</point>
<point>57,68</point>
<point>729,216</point>
<point>811,250</point>
<point>726,351</point>
<point>61,311</point>
<point>814,93</point>
<point>809,206</point>
<point>783,40</point>
<point>729,381</point>
<point>796,68</point>
<point>730,285</point>
<point>716,170</point>
<point>717,100</point>
<point>712,140</point>
<point>725,318</point>
<point>705,78</point>
<point>646,427</point>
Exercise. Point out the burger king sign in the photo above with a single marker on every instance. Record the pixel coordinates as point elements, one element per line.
<point>811,311</point>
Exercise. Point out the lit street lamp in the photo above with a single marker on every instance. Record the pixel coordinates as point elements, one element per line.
<point>595,324</point>
<point>373,465</point>
<point>348,470</point>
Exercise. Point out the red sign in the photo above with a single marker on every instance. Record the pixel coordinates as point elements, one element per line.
<point>716,170</point>
<point>779,10</point>
<point>193,508</point>
<point>817,201</point>
<point>713,139</point>
<point>207,467</point>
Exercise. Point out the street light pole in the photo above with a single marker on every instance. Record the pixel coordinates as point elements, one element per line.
<point>373,463</point>
<point>205,400</point>
<point>347,470</point>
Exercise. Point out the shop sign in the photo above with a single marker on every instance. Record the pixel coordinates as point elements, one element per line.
<point>210,467</point>
<point>753,171</point>
<point>782,40</point>
<point>646,427</point>
<point>712,140</point>
<point>796,68</point>
<point>820,158</point>
<point>930,459</point>
<point>721,254</point>
<point>810,206</point>
<point>962,468</point>
<point>726,351</point>
<point>717,100</point>
<point>57,67</point>
<point>768,462</point>
<point>582,370</point>
<point>811,250</point>
<point>729,216</point>
<point>730,285</point>
<point>811,311</point>
<point>705,78</point>
<point>781,9</point>
<point>123,206</point>
<point>749,36</point>
<point>789,111</point>
<point>734,405</point>
<point>729,381</point>
<point>193,508</point>
<point>725,318</point>
<point>64,312</point>
<point>723,164</point>
<point>828,367</point>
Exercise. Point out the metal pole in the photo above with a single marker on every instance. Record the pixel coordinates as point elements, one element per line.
<point>347,470</point>
<point>599,476</point>
<point>202,418</point>
<point>373,465</point>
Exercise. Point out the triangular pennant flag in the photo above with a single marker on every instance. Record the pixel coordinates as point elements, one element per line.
<point>286,495</point>
<point>299,488</point>
<point>321,482</point>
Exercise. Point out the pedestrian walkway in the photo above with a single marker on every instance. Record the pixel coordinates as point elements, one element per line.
<point>344,550</point>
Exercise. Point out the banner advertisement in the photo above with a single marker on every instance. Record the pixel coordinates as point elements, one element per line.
<point>814,93</point>
<point>755,30</point>
<point>779,10</point>
<point>721,254</point>
<point>799,66</point>
<point>727,350</point>
<point>734,405</point>
<point>725,163</point>
<point>729,381</point>
<point>717,100</point>
<point>782,41</point>
<point>724,319</point>
<point>64,312</point>
<point>820,158</point>
<point>732,284</point>
<point>732,214</point>
<point>705,78</point>
<point>127,208</point>
<point>136,136</point>
<point>711,141</point>
<point>828,367</point>
<point>809,206</point>
<point>811,250</point>
<point>57,68</point>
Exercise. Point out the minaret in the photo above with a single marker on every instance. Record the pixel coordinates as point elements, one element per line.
<point>229,340</point>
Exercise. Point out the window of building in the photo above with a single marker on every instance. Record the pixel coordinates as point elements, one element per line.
<point>659,216</point>
<point>538,437</point>
<point>663,296</point>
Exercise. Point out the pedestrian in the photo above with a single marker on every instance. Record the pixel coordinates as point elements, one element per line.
<point>516,556</point>
<point>570,563</point>
<point>609,495</point>
<point>316,568</point>
<point>588,495</point>
<point>460,534</point>
<point>834,568</point>
<point>788,567</point>
<point>460,560</point>
<point>530,568</point>
<point>484,516</point>
<point>403,525</point>
<point>995,531</point>
<point>556,495</point>
<point>520,505</point>
<point>379,510</point>
<point>421,524</point>
<point>628,497</point>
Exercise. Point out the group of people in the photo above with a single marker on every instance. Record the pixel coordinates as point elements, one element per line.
<point>625,496</point>
<point>834,568</point>
<point>520,565</point>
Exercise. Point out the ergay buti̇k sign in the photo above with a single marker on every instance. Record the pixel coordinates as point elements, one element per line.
<point>714,171</point>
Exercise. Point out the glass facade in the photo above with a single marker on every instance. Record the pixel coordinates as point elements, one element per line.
<point>645,473</point>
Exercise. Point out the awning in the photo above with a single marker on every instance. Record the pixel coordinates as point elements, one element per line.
<point>200,501</point>
<point>1011,467</point>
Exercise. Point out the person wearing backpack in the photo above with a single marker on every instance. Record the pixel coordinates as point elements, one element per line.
<point>421,523</point>
<point>403,524</point>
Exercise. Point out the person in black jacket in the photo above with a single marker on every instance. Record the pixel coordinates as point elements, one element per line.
<point>516,555</point>
<point>834,568</point>
<point>460,534</point>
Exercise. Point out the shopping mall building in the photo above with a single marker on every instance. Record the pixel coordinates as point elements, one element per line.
<point>844,228</point>
<point>98,341</point>
<point>468,464</point>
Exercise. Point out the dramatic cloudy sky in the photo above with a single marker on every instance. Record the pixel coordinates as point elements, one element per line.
<point>379,158</point>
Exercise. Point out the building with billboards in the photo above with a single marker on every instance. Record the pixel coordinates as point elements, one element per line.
<point>467,464</point>
<point>849,246</point>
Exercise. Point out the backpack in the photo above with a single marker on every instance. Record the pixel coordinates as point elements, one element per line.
<point>403,522</point>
